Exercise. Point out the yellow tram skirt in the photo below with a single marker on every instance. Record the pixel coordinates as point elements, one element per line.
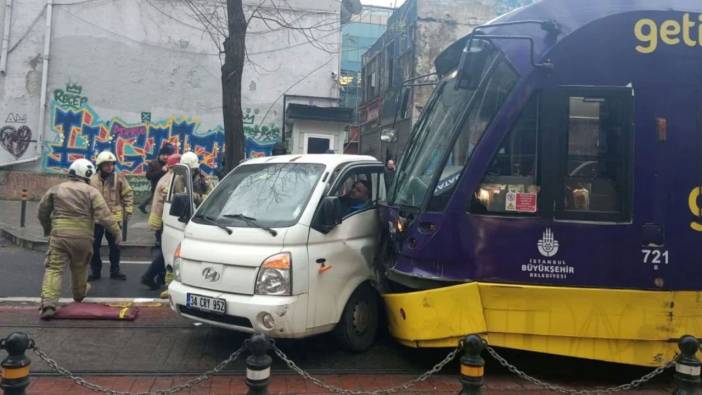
<point>624,326</point>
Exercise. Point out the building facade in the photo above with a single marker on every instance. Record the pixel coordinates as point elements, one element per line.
<point>357,36</point>
<point>79,77</point>
<point>393,90</point>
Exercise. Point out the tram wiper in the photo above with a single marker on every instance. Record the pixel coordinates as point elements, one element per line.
<point>214,222</point>
<point>251,221</point>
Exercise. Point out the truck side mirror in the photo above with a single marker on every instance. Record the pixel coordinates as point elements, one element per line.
<point>180,207</point>
<point>329,214</point>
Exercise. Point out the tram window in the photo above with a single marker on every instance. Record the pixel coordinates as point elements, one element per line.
<point>596,179</point>
<point>484,106</point>
<point>510,185</point>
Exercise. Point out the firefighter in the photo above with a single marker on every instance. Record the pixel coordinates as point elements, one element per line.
<point>154,276</point>
<point>201,185</point>
<point>120,199</point>
<point>155,170</point>
<point>68,213</point>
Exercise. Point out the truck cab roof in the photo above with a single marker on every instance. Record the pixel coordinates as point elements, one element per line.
<point>331,160</point>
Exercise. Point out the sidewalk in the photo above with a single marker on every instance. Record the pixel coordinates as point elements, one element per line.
<point>140,238</point>
<point>160,350</point>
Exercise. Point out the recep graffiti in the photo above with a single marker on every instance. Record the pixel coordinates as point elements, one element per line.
<point>15,139</point>
<point>79,132</point>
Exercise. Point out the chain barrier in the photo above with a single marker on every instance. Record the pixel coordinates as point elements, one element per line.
<point>338,390</point>
<point>565,390</point>
<point>98,388</point>
<point>334,389</point>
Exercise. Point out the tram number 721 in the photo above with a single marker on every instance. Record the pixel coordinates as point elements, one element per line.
<point>655,257</point>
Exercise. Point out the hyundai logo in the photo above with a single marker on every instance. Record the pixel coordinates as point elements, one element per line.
<point>210,274</point>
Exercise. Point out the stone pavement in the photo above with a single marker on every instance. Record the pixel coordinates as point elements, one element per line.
<point>140,238</point>
<point>160,350</point>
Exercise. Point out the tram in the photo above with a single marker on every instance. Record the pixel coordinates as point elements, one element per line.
<point>549,197</point>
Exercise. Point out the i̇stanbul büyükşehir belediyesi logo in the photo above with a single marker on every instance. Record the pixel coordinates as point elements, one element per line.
<point>548,246</point>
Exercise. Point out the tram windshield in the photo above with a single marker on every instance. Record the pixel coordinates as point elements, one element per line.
<point>441,142</point>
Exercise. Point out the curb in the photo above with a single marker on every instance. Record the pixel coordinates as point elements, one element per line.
<point>128,250</point>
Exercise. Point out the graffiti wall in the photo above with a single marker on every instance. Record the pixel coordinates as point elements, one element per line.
<point>78,131</point>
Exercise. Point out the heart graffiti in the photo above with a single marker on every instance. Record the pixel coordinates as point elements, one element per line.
<point>15,141</point>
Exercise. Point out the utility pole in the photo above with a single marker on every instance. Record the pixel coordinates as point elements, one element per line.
<point>232,72</point>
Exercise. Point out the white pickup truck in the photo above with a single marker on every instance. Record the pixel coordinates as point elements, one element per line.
<point>284,245</point>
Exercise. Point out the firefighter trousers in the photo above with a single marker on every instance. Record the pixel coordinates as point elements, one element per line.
<point>76,252</point>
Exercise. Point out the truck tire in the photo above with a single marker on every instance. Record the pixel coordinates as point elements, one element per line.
<point>358,326</point>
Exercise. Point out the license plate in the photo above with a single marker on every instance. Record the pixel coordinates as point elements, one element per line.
<point>206,303</point>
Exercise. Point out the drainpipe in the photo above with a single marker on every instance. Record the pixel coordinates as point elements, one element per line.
<point>44,77</point>
<point>6,36</point>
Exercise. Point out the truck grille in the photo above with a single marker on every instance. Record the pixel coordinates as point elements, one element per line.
<point>225,319</point>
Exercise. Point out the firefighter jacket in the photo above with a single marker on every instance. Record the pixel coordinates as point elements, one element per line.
<point>117,193</point>
<point>71,210</point>
<point>160,193</point>
<point>201,187</point>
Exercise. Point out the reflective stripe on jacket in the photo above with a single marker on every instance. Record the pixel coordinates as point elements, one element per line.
<point>71,209</point>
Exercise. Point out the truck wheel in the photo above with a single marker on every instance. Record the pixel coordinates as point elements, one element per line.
<point>358,325</point>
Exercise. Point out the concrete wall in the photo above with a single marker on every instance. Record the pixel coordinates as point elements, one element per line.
<point>126,75</point>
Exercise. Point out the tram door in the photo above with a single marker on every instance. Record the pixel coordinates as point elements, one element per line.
<point>555,205</point>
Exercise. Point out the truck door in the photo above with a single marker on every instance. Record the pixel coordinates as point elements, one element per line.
<point>179,193</point>
<point>342,258</point>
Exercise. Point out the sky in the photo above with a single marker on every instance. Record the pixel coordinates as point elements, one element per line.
<point>385,3</point>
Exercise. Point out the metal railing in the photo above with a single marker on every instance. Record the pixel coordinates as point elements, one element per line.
<point>16,372</point>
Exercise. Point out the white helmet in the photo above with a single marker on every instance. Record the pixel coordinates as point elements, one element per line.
<point>105,156</point>
<point>81,168</point>
<point>190,159</point>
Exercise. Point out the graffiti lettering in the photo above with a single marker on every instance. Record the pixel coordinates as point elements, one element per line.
<point>123,131</point>
<point>79,132</point>
<point>15,140</point>
<point>15,117</point>
<point>71,97</point>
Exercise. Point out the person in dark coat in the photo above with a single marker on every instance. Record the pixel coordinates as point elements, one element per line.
<point>155,170</point>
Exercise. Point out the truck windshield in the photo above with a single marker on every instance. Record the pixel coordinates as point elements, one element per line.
<point>443,132</point>
<point>272,195</point>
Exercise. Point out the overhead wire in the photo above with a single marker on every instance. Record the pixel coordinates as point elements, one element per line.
<point>144,43</point>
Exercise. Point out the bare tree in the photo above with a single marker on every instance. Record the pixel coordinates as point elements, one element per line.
<point>232,72</point>
<point>230,20</point>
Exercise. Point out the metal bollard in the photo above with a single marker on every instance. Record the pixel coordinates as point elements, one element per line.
<point>23,207</point>
<point>472,365</point>
<point>15,368</point>
<point>258,365</point>
<point>687,367</point>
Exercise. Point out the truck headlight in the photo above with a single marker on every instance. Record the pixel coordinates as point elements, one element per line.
<point>177,262</point>
<point>274,276</point>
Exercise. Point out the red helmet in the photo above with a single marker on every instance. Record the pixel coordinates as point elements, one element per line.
<point>173,160</point>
